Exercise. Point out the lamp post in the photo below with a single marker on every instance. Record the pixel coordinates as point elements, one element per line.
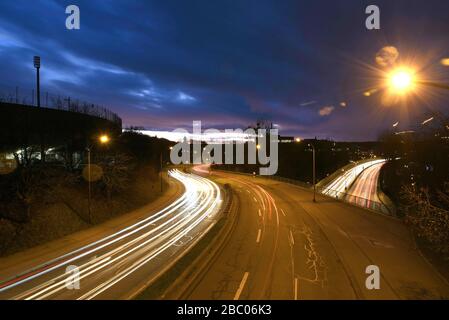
<point>160,170</point>
<point>314,171</point>
<point>161,166</point>
<point>103,139</point>
<point>89,183</point>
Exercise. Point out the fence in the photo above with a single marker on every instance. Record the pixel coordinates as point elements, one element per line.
<point>57,102</point>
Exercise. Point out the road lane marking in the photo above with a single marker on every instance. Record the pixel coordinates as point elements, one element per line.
<point>255,199</point>
<point>292,238</point>
<point>296,288</point>
<point>260,213</point>
<point>241,286</point>
<point>259,233</point>
<point>283,213</point>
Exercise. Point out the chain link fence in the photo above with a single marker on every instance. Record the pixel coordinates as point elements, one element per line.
<point>16,95</point>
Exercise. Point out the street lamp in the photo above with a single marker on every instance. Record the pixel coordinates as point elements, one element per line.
<point>161,166</point>
<point>103,139</point>
<point>160,169</point>
<point>314,171</point>
<point>401,80</point>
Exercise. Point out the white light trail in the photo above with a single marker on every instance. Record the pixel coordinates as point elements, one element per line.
<point>343,182</point>
<point>130,248</point>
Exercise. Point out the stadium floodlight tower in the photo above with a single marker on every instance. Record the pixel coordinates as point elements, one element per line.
<point>37,65</point>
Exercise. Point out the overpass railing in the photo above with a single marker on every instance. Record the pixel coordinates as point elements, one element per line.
<point>358,201</point>
<point>58,102</point>
<point>343,196</point>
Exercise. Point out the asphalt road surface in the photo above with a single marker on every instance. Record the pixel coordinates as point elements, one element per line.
<point>114,266</point>
<point>284,246</point>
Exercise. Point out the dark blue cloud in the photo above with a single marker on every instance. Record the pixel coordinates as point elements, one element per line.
<point>162,64</point>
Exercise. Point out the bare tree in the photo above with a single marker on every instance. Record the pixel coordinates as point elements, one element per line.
<point>116,172</point>
<point>431,223</point>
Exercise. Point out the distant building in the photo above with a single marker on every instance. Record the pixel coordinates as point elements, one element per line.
<point>286,139</point>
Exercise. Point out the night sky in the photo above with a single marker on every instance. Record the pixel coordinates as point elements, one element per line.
<point>161,64</point>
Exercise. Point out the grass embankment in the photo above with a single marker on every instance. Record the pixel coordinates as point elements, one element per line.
<point>58,206</point>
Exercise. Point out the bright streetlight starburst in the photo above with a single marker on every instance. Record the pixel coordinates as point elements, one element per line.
<point>401,80</point>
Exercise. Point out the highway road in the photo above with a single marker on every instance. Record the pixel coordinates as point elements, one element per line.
<point>285,246</point>
<point>364,190</point>
<point>116,265</point>
<point>343,182</point>
<point>359,185</point>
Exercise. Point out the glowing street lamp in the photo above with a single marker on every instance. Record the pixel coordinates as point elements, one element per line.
<point>104,139</point>
<point>401,80</point>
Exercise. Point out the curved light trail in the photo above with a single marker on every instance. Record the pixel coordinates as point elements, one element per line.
<point>364,191</point>
<point>135,253</point>
<point>340,186</point>
<point>359,186</point>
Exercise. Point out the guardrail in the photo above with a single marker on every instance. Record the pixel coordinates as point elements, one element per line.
<point>342,196</point>
<point>57,102</point>
<point>358,201</point>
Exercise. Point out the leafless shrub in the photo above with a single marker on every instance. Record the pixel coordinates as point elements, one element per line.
<point>431,223</point>
<point>117,169</point>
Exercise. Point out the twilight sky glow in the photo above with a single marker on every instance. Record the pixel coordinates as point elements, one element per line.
<point>162,64</point>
